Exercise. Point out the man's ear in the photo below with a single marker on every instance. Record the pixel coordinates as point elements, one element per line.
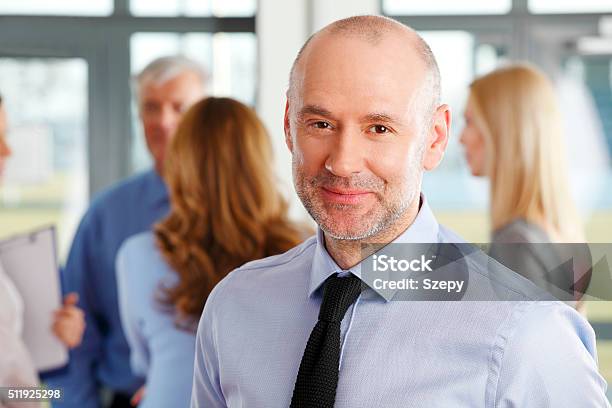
<point>437,137</point>
<point>287,127</point>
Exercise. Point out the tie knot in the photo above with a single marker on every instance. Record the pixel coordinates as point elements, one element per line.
<point>338,294</point>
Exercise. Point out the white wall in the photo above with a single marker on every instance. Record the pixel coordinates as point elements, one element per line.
<point>281,29</point>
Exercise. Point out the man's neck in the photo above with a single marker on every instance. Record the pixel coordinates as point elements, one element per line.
<point>348,253</point>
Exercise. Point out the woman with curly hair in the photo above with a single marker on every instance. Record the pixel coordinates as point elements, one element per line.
<point>225,211</point>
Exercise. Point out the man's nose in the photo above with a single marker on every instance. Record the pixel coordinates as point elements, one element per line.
<point>347,154</point>
<point>168,118</point>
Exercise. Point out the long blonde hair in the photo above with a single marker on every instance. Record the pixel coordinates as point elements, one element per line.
<point>515,109</point>
<point>225,207</point>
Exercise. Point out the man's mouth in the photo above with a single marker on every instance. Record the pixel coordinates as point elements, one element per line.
<point>344,196</point>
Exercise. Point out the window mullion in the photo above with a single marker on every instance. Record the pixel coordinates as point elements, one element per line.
<point>122,8</point>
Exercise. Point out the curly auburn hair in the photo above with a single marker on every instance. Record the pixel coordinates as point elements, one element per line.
<point>225,207</point>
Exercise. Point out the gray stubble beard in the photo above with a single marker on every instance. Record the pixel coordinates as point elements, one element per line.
<point>390,213</point>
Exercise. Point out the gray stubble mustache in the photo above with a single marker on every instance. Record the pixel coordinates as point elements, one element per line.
<point>357,182</point>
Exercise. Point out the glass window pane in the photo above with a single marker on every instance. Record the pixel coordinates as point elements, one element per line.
<point>46,178</point>
<point>454,51</point>
<point>230,58</point>
<point>437,7</point>
<point>585,89</point>
<point>459,199</point>
<point>57,7</point>
<point>193,8</point>
<point>570,6</point>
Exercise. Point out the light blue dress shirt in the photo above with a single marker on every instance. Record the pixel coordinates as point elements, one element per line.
<point>127,208</point>
<point>159,350</point>
<point>523,352</point>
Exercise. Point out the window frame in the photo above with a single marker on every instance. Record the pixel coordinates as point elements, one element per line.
<point>104,42</point>
<point>518,25</point>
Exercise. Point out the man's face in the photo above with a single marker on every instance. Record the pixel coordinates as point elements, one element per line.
<point>161,108</point>
<point>357,134</point>
<point>5,151</point>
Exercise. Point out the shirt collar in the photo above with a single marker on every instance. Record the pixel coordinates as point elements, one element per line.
<point>424,229</point>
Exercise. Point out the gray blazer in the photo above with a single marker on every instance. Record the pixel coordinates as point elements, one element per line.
<point>527,249</point>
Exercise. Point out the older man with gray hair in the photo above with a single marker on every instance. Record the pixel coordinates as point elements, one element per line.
<point>164,89</point>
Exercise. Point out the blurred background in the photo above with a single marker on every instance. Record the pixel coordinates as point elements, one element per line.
<point>65,69</point>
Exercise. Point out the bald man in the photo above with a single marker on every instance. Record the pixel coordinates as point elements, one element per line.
<point>363,122</point>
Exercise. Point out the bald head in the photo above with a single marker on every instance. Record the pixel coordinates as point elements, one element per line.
<point>374,30</point>
<point>363,122</point>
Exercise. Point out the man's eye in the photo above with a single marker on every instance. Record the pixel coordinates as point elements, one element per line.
<point>321,125</point>
<point>379,129</point>
<point>179,107</point>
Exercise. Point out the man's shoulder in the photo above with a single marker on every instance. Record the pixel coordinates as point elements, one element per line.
<point>267,270</point>
<point>295,254</point>
<point>121,191</point>
<point>487,278</point>
<point>116,213</point>
<point>552,318</point>
<point>526,321</point>
<point>446,235</point>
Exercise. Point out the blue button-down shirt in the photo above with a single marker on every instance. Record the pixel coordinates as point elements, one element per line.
<point>523,352</point>
<point>126,209</point>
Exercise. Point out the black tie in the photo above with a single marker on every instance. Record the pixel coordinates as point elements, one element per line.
<point>317,379</point>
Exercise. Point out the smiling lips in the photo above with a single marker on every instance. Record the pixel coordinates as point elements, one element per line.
<point>344,196</point>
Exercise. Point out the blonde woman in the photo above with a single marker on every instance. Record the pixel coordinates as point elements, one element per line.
<point>225,211</point>
<point>513,136</point>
